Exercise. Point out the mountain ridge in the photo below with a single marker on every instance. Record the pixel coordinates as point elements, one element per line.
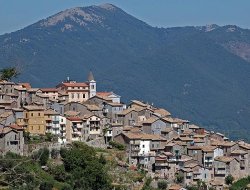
<point>198,73</point>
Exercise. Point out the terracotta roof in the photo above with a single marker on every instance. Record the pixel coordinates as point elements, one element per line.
<point>185,138</point>
<point>223,143</point>
<point>225,159</point>
<point>139,103</point>
<point>7,101</point>
<point>174,120</point>
<point>192,126</point>
<point>167,130</point>
<point>126,111</point>
<point>245,146</point>
<point>168,153</point>
<point>33,108</point>
<point>49,89</point>
<point>76,84</point>
<point>25,85</point>
<point>50,112</point>
<point>199,141</point>
<point>103,98</point>
<point>71,113</point>
<point>115,104</point>
<point>93,107</point>
<point>191,165</point>
<point>5,114</point>
<point>33,89</point>
<point>175,187</point>
<point>208,148</point>
<point>12,94</point>
<point>16,127</point>
<point>200,136</point>
<point>150,120</point>
<point>162,112</point>
<point>238,151</point>
<point>194,147</point>
<point>17,109</point>
<point>103,94</point>
<point>143,136</point>
<point>74,118</point>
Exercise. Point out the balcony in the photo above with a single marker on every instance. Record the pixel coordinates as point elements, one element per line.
<point>135,142</point>
<point>135,148</point>
<point>134,154</point>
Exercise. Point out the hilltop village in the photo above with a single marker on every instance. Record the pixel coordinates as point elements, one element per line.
<point>166,147</point>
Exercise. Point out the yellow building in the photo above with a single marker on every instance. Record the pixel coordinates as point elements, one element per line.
<point>34,120</point>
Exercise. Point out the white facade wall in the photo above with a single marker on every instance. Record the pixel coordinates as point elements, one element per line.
<point>144,147</point>
<point>218,152</point>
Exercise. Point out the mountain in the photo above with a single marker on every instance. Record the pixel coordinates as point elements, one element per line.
<point>198,73</point>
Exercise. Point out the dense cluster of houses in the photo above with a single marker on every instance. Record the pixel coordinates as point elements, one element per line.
<point>163,145</point>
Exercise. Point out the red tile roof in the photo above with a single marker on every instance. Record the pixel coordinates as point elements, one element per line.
<point>77,84</point>
<point>25,85</point>
<point>74,118</point>
<point>49,89</point>
<point>105,94</point>
<point>16,127</point>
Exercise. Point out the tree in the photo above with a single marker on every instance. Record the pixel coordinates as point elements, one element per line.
<point>55,153</point>
<point>179,178</point>
<point>46,185</point>
<point>229,179</point>
<point>87,171</point>
<point>147,184</point>
<point>42,156</point>
<point>162,185</point>
<point>102,160</point>
<point>8,73</point>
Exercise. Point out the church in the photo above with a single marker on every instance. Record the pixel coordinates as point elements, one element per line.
<point>78,91</point>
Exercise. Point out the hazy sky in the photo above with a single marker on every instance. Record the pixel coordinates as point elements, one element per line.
<point>16,14</point>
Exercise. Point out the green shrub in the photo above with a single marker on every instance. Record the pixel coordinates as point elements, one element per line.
<point>162,185</point>
<point>117,145</point>
<point>46,185</point>
<point>229,180</point>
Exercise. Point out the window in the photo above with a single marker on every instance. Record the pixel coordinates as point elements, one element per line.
<point>39,114</point>
<point>72,95</point>
<point>31,114</point>
<point>39,127</point>
<point>143,146</point>
<point>92,86</point>
<point>83,95</point>
<point>78,96</point>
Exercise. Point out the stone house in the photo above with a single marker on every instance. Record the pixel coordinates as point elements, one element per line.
<point>128,117</point>
<point>196,153</point>
<point>224,166</point>
<point>92,126</point>
<point>242,157</point>
<point>110,96</point>
<point>11,139</point>
<point>153,126</point>
<point>245,147</point>
<point>7,87</point>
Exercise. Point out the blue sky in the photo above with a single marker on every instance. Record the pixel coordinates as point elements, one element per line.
<point>16,14</point>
